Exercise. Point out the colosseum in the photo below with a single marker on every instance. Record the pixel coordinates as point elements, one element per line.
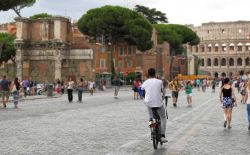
<point>224,49</point>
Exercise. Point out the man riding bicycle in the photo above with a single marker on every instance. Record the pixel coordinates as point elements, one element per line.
<point>153,99</point>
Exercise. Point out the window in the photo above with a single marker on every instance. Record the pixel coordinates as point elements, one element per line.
<point>247,62</point>
<point>202,49</point>
<point>239,48</point>
<point>102,63</point>
<point>129,63</point>
<point>216,62</point>
<point>223,31</point>
<point>239,62</point>
<point>223,62</point>
<point>216,47</point>
<point>120,63</point>
<point>224,48</point>
<point>129,50</point>
<point>231,62</point>
<point>231,48</point>
<point>208,62</point>
<point>202,62</point>
<point>209,48</point>
<point>240,30</point>
<point>120,51</point>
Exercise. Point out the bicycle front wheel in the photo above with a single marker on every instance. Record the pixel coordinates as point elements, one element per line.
<point>155,142</point>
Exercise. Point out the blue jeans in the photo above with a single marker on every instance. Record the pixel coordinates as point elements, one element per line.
<point>248,112</point>
<point>80,95</point>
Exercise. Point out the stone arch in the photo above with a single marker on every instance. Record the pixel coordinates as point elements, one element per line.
<point>223,62</point>
<point>209,63</point>
<point>223,74</point>
<point>247,63</point>
<point>239,62</point>
<point>216,62</point>
<point>231,62</point>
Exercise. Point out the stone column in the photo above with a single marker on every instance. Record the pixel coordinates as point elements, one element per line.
<point>19,64</point>
<point>58,64</point>
<point>58,69</point>
<point>44,30</point>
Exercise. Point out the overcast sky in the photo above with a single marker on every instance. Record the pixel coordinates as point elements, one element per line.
<point>178,11</point>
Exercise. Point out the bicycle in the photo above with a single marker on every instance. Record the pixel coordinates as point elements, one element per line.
<point>155,128</point>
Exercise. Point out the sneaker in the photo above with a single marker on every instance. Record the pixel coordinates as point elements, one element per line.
<point>175,105</point>
<point>150,123</point>
<point>249,127</point>
<point>164,140</point>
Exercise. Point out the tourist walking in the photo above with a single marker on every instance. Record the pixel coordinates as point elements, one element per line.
<point>80,89</point>
<point>198,83</point>
<point>15,89</point>
<point>188,90</point>
<point>228,101</point>
<point>248,104</point>
<point>70,86</point>
<point>174,86</point>
<point>243,92</point>
<point>213,83</point>
<point>136,86</point>
<point>117,84</point>
<point>91,87</point>
<point>5,91</point>
<point>62,87</point>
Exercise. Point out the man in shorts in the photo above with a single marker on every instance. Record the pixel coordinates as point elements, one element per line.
<point>174,86</point>
<point>5,91</point>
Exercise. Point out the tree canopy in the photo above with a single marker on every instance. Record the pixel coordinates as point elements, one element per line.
<point>16,5</point>
<point>40,15</point>
<point>154,16</point>
<point>116,24</point>
<point>176,35</point>
<point>7,50</point>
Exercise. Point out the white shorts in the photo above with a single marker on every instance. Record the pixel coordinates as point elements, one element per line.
<point>190,95</point>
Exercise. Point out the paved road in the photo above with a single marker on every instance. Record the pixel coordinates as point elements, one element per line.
<point>107,126</point>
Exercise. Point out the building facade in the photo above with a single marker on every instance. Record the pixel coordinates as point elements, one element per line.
<point>46,49</point>
<point>224,49</point>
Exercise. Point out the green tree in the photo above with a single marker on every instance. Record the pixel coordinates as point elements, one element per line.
<point>40,15</point>
<point>176,35</point>
<point>7,50</point>
<point>117,24</point>
<point>152,15</point>
<point>15,5</point>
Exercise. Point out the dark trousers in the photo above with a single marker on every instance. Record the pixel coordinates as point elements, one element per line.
<point>80,95</point>
<point>70,95</point>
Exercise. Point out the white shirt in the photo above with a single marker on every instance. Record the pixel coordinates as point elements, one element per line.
<point>153,96</point>
<point>70,84</point>
<point>91,85</point>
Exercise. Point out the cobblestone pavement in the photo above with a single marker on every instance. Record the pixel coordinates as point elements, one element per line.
<point>107,126</point>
